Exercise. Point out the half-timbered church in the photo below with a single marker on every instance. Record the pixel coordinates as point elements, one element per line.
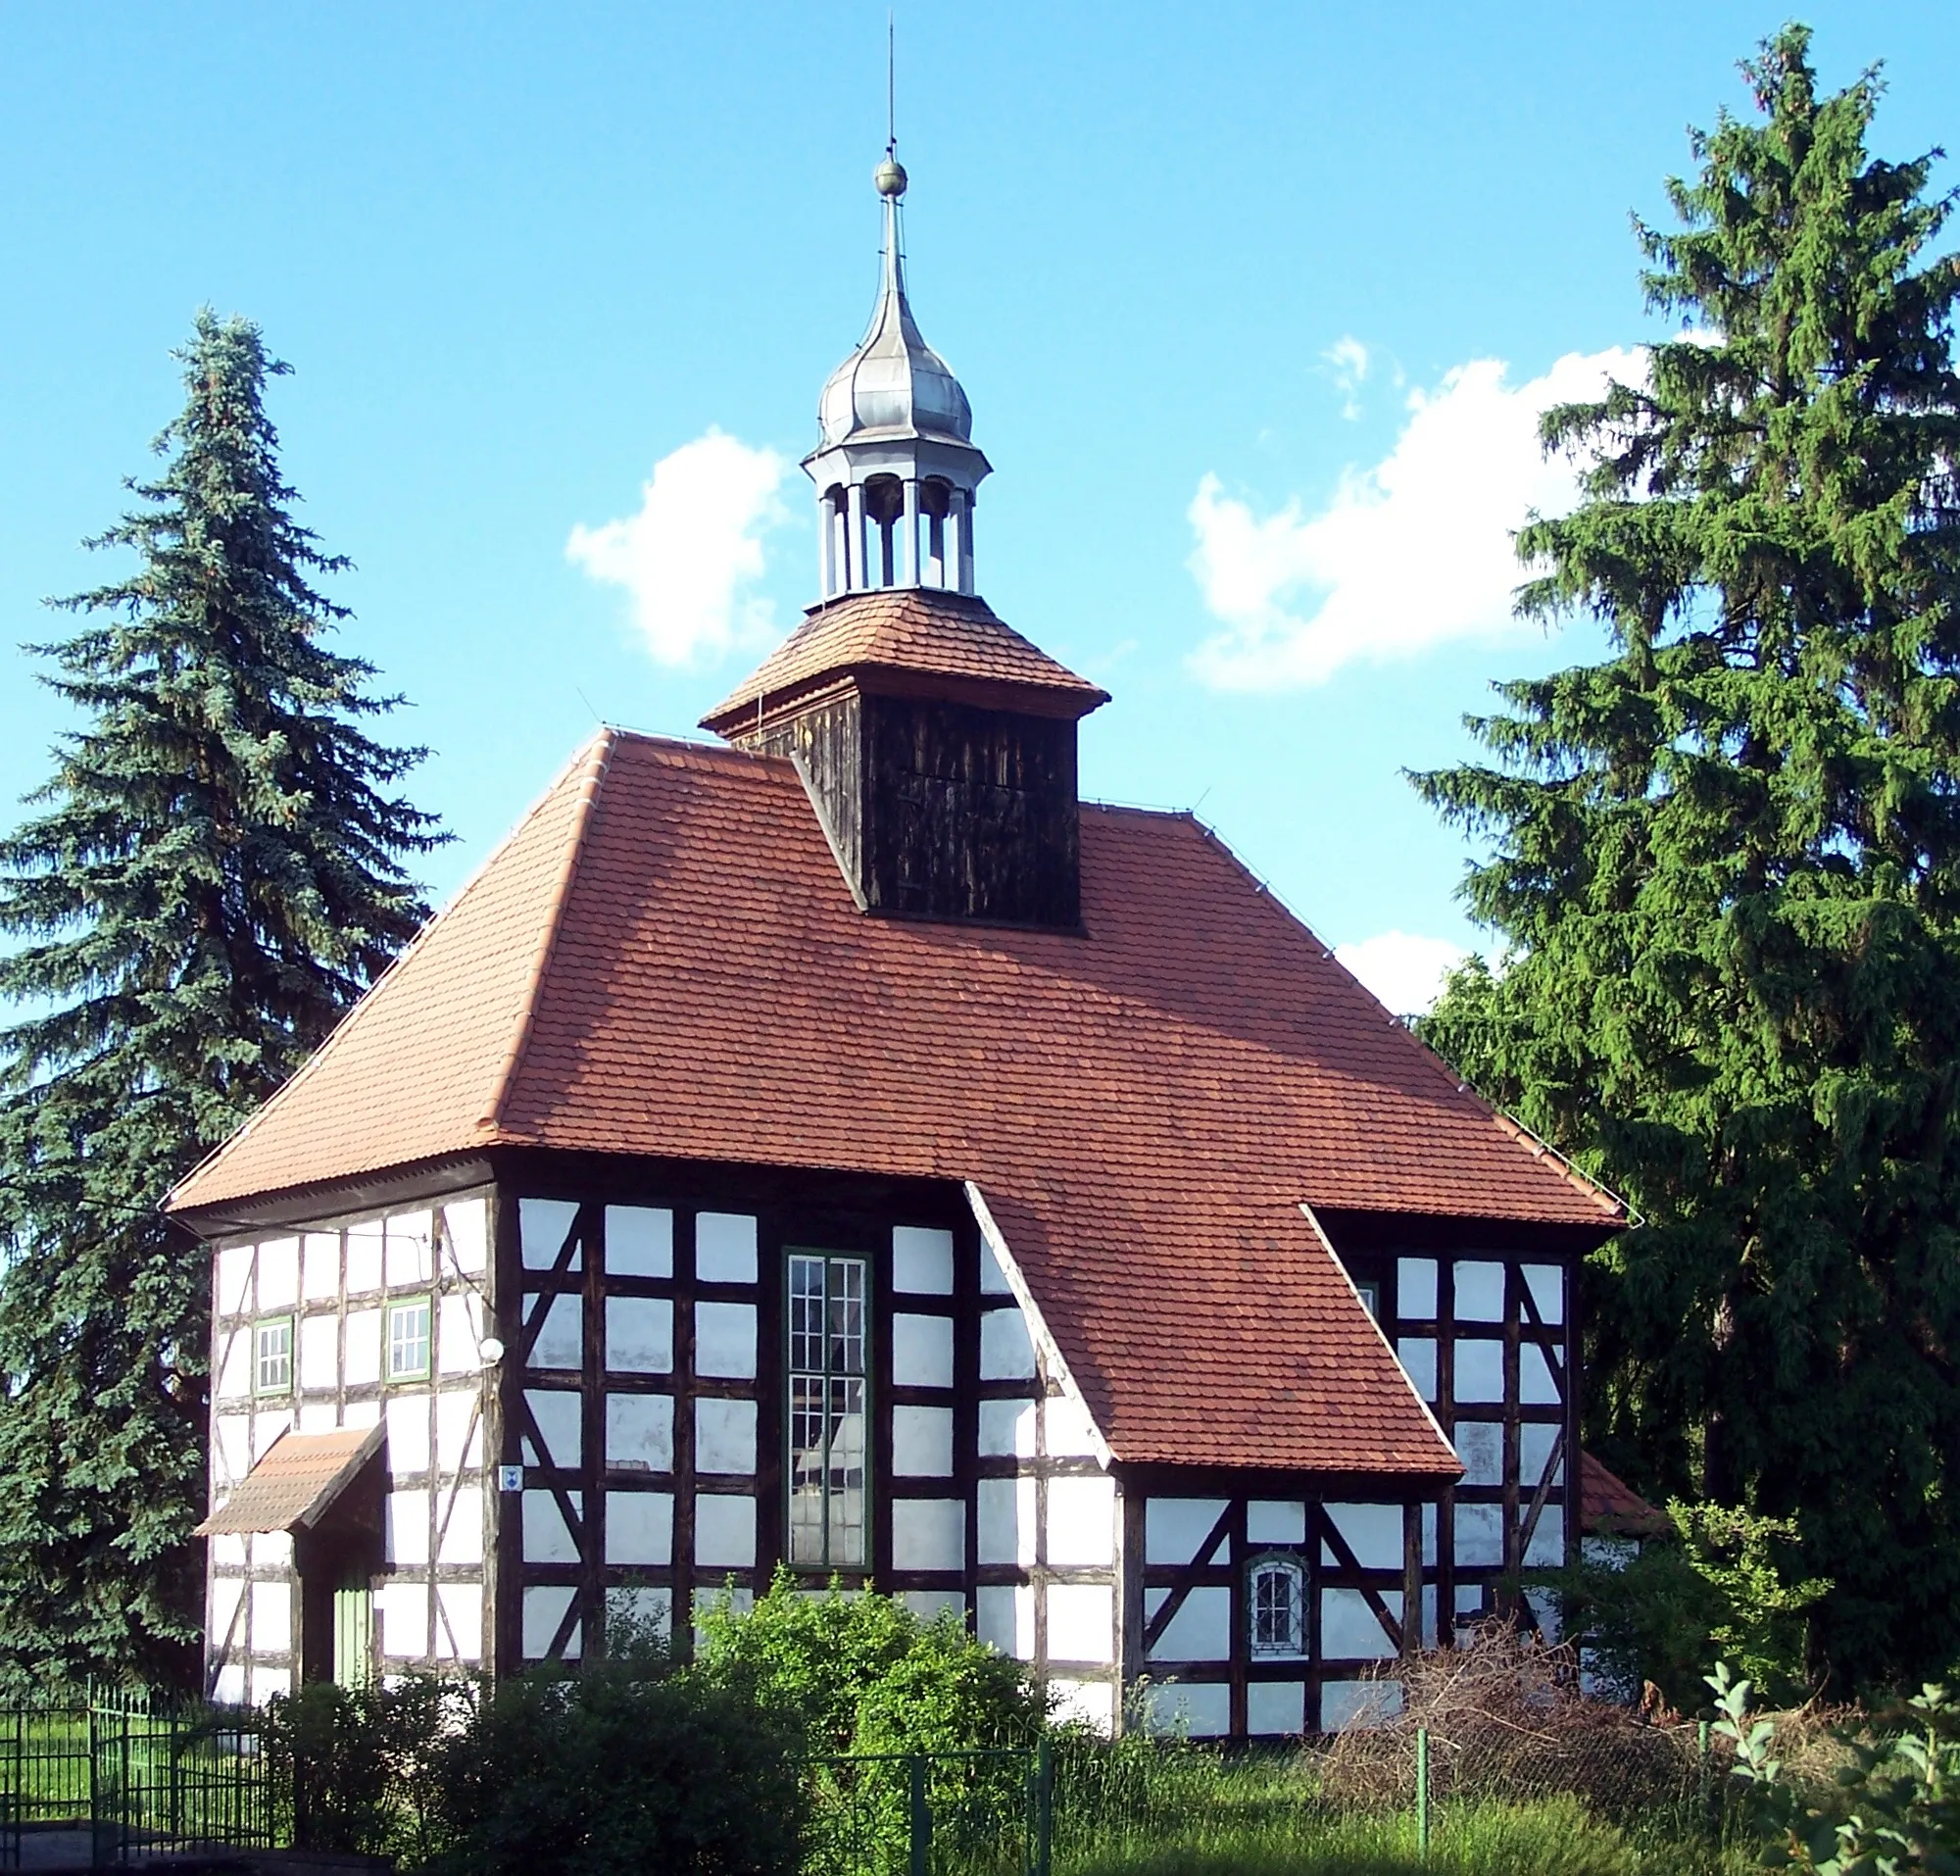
<point>839,1146</point>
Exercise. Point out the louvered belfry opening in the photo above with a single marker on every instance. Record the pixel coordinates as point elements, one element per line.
<point>938,748</point>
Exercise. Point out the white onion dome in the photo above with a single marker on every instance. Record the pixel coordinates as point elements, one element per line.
<point>894,384</point>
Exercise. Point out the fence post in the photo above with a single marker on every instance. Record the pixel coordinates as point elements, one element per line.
<point>921,1817</point>
<point>1044,1806</point>
<point>1422,1792</point>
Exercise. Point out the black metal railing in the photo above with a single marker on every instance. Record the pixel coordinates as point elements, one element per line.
<point>984,1813</point>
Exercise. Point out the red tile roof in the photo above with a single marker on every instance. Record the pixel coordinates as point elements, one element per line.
<point>1608,1506</point>
<point>906,632</point>
<point>664,960</point>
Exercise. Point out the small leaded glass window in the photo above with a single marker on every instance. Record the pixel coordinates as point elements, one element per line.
<point>1277,1606</point>
<point>828,1320</point>
<point>272,1355</point>
<point>409,1340</point>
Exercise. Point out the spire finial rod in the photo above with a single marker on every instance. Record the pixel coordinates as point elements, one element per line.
<point>890,83</point>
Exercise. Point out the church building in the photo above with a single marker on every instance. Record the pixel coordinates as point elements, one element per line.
<point>840,1146</point>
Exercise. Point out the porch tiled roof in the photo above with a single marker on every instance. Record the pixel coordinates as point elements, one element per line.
<point>295,1482</point>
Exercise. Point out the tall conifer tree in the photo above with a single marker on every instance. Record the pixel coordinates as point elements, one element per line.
<point>1725,864</point>
<point>215,874</point>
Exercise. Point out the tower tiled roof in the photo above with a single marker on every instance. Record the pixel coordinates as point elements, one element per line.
<point>664,959</point>
<point>904,633</point>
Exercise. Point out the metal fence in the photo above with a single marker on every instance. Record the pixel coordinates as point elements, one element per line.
<point>131,1775</point>
<point>986,1814</point>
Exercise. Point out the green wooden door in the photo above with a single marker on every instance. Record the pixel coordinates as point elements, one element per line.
<point>352,1631</point>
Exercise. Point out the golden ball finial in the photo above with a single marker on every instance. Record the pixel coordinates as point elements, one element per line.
<point>889,177</point>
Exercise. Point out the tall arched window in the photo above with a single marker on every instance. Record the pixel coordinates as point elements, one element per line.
<point>1277,1606</point>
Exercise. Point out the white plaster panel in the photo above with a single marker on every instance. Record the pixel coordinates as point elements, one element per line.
<point>362,1347</point>
<point>724,1247</point>
<point>234,1373</point>
<point>1358,1706</point>
<point>1480,1535</point>
<point>1545,1608</point>
<point>639,1335</point>
<point>320,1265</point>
<point>456,1335</point>
<point>639,1432</point>
<point>561,1336</point>
<point>226,1593</point>
<point>1535,1385</point>
<point>360,1413</point>
<point>1067,1431</point>
<point>462,1538</point>
<point>1274,1707</point>
<point>1536,1439</point>
<point>271,1618</point>
<point>1417,1354</point>
<point>1470,1600</point>
<point>228,1550</point>
<point>320,1351</point>
<point>407,1419</point>
<point>459,1628</point>
<point>1200,1710</point>
<point>922,1442</point>
<point>1546,1284</point>
<point>271,1550</point>
<point>560,1414</point>
<point>465,1230</point>
<point>992,1278</point>
<point>1480,1291</point>
<point>459,1429</point>
<point>364,1257</point>
<point>1174,1528</point>
<point>546,1537</point>
<point>1081,1623</point>
<point>1276,1521</point>
<point>1201,1630</point>
<point>724,1340</point>
<point>1080,1526</point>
<point>234,1278</point>
<point>544,1610</point>
<point>404,1609</point>
<point>1480,1370</point>
<point>724,1531</point>
<point>648,1606</point>
<point>1007,1351</point>
<point>922,1350</point>
<point>930,1604</point>
<point>1374,1533</point>
<point>639,1527</point>
<point>1090,1704</point>
<point>921,1261</point>
<point>1007,1429</point>
<point>1480,1445</point>
<point>543,1224</point>
<point>318,1416</point>
<point>269,1683</point>
<point>639,1241</point>
<point>1415,1289</point>
<point>406,1529</point>
<point>266,1427</point>
<point>724,1436</point>
<point>1547,1549</point>
<point>739,1600</point>
<point>279,1273</point>
<point>1006,1520</point>
<point>1003,1617</point>
<point>230,1688</point>
<point>1429,1528</point>
<point>928,1534</point>
<point>411,1245</point>
<point>1351,1631</point>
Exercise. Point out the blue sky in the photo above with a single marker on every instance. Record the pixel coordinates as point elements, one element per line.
<point>1254,304</point>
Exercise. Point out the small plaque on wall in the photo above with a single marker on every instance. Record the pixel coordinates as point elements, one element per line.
<point>509,1478</point>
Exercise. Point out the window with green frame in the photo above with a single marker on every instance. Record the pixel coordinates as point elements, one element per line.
<point>829,1327</point>
<point>407,1351</point>
<point>273,1355</point>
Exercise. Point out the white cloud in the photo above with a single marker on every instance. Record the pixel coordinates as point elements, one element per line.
<point>1405,971</point>
<point>1348,361</point>
<point>1409,554</point>
<point>691,554</point>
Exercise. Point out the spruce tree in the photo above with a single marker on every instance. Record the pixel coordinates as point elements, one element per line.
<point>213,873</point>
<point>1724,865</point>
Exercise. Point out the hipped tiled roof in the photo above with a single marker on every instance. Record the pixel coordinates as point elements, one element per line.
<point>902,631</point>
<point>664,960</point>
<point>295,1482</point>
<point>1608,1506</point>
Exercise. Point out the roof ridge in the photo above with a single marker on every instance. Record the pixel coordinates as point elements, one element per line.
<point>596,757</point>
<point>422,938</point>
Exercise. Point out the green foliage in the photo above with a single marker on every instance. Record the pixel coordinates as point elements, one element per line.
<point>863,1674</point>
<point>213,877</point>
<point>1896,1809</point>
<point>1723,866</point>
<point>1723,1589</point>
<point>624,1767</point>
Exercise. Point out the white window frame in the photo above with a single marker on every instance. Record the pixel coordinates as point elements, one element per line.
<point>829,1373</point>
<point>282,1383</point>
<point>400,1306</point>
